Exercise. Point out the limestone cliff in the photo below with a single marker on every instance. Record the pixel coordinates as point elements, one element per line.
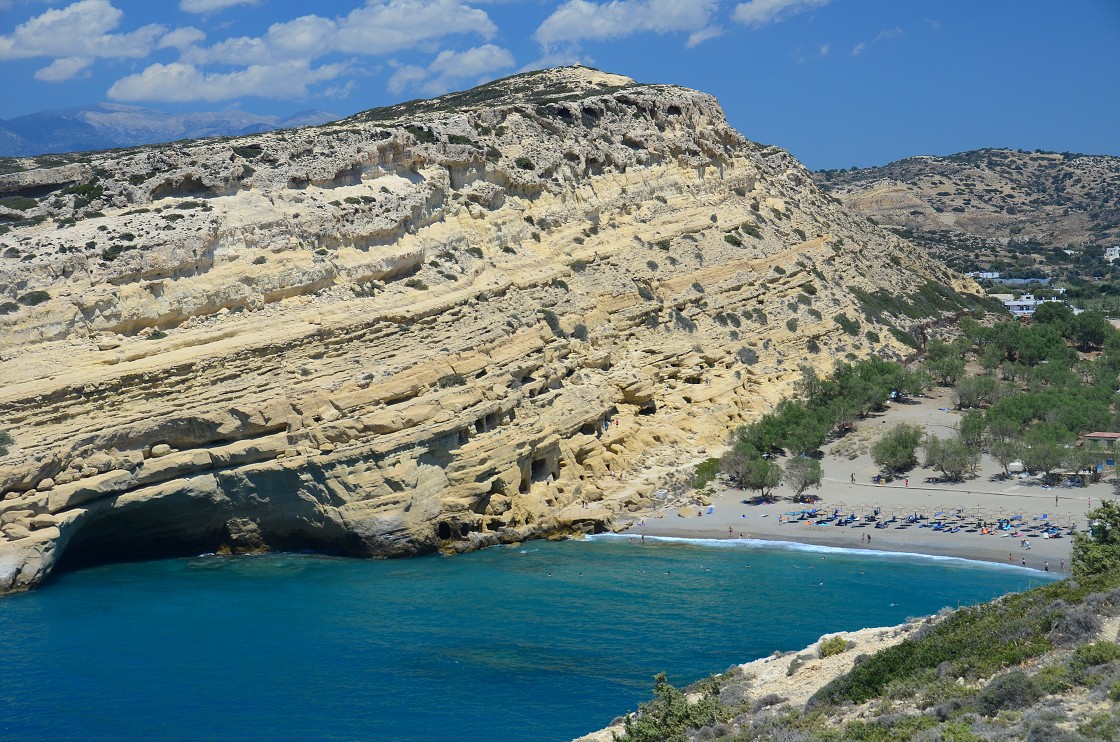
<point>480,318</point>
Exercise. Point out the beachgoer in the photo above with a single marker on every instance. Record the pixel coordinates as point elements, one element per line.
<point>644,539</point>
<point>1046,566</point>
<point>861,538</point>
<point>1024,561</point>
<point>853,478</point>
<point>907,480</point>
<point>1009,556</point>
<point>869,538</point>
<point>1063,566</point>
<point>1055,499</point>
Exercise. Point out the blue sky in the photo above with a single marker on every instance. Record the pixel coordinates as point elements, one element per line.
<point>837,82</point>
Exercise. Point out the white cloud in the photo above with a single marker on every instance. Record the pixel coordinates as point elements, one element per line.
<point>210,6</point>
<point>758,13</point>
<point>859,48</point>
<point>179,82</point>
<point>377,28</point>
<point>890,34</point>
<point>406,76</point>
<point>383,28</point>
<point>62,69</point>
<point>577,20</point>
<point>823,50</point>
<point>78,30</point>
<point>450,68</point>
<point>705,34</point>
<point>181,38</point>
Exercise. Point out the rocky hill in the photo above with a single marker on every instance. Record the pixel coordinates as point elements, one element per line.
<point>986,204</point>
<point>495,315</point>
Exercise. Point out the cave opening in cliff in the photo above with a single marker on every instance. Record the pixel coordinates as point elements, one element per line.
<point>134,537</point>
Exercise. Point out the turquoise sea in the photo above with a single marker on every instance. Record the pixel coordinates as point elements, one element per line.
<point>544,641</point>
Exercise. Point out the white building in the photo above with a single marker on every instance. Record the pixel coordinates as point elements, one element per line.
<point>1111,253</point>
<point>1025,305</point>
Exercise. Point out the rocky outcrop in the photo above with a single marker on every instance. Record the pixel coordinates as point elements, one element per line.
<point>488,317</point>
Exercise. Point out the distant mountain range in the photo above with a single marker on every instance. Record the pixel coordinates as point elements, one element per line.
<point>108,125</point>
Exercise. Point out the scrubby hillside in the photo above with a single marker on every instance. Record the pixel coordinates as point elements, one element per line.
<point>491,316</point>
<point>977,208</point>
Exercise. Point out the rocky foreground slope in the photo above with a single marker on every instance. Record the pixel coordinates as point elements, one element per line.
<point>486,317</point>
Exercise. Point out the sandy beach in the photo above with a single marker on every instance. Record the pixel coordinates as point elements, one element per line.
<point>960,506</point>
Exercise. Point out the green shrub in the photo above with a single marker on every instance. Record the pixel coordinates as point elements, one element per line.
<point>34,298</point>
<point>645,292</point>
<point>850,326</point>
<point>112,252</point>
<point>1053,679</point>
<point>451,380</point>
<point>7,307</point>
<point>157,334</point>
<point>791,324</point>
<point>248,152</point>
<point>904,337</point>
<point>1091,655</point>
<point>425,136</point>
<point>18,203</point>
<point>508,250</point>
<point>5,441</point>
<point>669,714</point>
<point>1013,690</point>
<point>706,471</point>
<point>872,336</point>
<point>833,646</point>
<point>779,270</point>
<point>732,240</point>
<point>579,332</point>
<point>475,251</point>
<point>260,260</point>
<point>524,163</point>
<point>813,346</point>
<point>416,283</point>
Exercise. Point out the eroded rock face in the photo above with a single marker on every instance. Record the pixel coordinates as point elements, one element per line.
<point>488,317</point>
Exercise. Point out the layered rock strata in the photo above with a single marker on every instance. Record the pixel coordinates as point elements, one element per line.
<point>482,318</point>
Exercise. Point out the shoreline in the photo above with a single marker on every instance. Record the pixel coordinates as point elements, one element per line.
<point>769,544</point>
<point>968,506</point>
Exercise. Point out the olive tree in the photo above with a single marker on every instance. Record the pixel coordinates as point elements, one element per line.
<point>895,451</point>
<point>801,474</point>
